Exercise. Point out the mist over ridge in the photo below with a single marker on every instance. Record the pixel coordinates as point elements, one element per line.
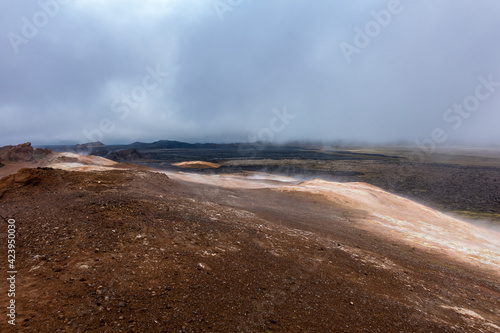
<point>125,71</point>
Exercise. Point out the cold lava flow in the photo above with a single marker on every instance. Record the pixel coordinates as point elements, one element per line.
<point>104,246</point>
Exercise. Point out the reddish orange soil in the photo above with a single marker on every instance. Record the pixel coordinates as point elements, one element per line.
<point>197,165</point>
<point>135,251</point>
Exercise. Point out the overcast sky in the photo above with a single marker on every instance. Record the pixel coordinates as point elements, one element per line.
<point>240,70</point>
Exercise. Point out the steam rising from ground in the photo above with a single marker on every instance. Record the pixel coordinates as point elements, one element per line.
<point>385,214</point>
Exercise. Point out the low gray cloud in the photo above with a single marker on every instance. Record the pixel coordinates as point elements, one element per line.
<point>228,64</point>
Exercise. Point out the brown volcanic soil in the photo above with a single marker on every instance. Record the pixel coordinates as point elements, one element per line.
<point>135,251</point>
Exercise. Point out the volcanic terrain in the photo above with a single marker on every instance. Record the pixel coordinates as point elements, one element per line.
<point>113,247</point>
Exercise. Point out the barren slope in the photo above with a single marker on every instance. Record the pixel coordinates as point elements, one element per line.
<point>128,250</point>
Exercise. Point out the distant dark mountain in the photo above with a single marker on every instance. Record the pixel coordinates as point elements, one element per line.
<point>162,144</point>
<point>125,155</point>
<point>171,144</point>
<point>100,149</point>
<point>89,145</point>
